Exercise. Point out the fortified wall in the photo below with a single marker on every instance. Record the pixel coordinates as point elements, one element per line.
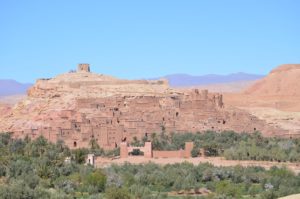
<point>112,111</point>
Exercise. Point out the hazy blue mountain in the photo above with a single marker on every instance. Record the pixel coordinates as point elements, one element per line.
<point>183,80</point>
<point>12,87</point>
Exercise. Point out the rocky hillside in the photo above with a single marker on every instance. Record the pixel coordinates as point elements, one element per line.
<point>282,81</point>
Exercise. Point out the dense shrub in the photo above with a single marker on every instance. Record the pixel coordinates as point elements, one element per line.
<point>227,182</point>
<point>117,193</point>
<point>37,169</point>
<point>229,144</point>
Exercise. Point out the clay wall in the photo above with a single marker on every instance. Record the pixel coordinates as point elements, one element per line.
<point>149,153</point>
<point>168,154</point>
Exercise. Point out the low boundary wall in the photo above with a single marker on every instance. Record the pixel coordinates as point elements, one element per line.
<point>125,149</point>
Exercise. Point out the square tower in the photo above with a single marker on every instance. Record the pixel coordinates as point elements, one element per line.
<point>83,67</point>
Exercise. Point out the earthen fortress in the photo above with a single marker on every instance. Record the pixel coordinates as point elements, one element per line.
<point>79,106</point>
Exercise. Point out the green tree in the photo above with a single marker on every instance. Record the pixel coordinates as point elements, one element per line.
<point>117,193</point>
<point>79,155</point>
<point>97,180</point>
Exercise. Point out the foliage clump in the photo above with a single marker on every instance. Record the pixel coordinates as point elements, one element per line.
<point>231,145</point>
<point>37,169</point>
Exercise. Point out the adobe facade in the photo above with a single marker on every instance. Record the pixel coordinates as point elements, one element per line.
<point>126,149</point>
<point>79,107</point>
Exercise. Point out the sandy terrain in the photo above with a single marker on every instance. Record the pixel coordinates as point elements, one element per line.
<point>216,161</point>
<point>284,119</point>
<point>296,196</point>
<point>283,103</point>
<point>278,111</point>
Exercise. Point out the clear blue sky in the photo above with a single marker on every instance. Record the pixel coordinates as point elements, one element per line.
<point>142,39</point>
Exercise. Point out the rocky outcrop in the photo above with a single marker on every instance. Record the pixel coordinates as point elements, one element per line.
<point>5,109</point>
<point>78,107</point>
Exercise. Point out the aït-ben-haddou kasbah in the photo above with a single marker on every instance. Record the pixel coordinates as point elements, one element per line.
<point>80,105</point>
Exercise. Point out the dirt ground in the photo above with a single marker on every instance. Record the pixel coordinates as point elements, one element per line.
<point>296,196</point>
<point>281,111</point>
<point>216,161</point>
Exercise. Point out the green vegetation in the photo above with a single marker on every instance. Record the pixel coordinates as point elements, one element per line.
<point>37,169</point>
<point>229,144</point>
<point>151,180</point>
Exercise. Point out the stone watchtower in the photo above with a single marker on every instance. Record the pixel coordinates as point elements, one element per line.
<point>84,68</point>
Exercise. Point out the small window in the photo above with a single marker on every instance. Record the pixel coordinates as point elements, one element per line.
<point>75,144</point>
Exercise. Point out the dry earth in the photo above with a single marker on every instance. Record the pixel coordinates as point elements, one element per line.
<point>278,111</point>
<point>216,161</point>
<point>295,196</point>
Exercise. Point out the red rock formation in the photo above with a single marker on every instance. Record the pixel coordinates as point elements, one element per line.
<point>282,81</point>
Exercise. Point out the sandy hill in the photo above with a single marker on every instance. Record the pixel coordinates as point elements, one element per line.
<point>275,98</point>
<point>282,81</point>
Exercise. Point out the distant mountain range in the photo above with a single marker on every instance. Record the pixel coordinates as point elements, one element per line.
<point>184,80</point>
<point>12,87</point>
